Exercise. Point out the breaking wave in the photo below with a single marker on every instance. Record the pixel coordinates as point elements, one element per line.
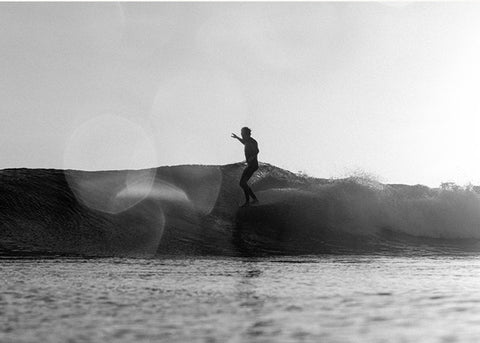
<point>194,210</point>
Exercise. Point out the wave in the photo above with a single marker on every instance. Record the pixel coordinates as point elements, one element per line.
<point>194,210</point>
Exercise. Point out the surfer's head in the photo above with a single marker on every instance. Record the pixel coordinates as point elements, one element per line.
<point>246,132</point>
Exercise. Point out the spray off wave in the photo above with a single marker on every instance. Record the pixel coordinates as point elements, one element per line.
<point>194,210</point>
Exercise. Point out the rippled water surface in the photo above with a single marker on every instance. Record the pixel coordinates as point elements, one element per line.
<point>311,299</point>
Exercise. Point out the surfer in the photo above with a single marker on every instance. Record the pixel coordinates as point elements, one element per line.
<point>251,152</point>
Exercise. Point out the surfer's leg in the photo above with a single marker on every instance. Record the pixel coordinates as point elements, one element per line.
<point>247,173</point>
<point>244,185</point>
<point>250,193</point>
<point>253,169</point>
<point>247,199</point>
<point>254,197</point>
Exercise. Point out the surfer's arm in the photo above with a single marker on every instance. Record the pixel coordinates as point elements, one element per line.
<point>235,136</point>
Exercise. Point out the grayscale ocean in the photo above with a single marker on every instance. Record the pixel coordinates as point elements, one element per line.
<point>342,298</point>
<point>166,255</point>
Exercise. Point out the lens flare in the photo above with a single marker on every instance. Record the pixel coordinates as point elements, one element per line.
<point>138,230</point>
<point>115,145</point>
<point>193,113</point>
<point>200,185</point>
<point>299,41</point>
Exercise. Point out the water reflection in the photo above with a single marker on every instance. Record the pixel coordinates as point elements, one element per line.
<point>253,302</point>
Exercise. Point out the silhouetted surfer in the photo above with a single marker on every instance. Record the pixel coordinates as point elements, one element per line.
<point>251,152</point>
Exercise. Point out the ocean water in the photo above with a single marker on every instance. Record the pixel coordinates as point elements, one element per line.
<point>329,298</point>
<point>169,257</point>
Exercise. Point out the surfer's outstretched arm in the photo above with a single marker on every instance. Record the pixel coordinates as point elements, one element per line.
<point>241,140</point>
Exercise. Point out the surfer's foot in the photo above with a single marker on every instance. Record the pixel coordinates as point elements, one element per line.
<point>245,205</point>
<point>254,201</point>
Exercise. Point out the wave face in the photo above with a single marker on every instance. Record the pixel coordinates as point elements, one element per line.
<point>194,210</point>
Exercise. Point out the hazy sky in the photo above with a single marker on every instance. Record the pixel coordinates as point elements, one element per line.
<point>327,88</point>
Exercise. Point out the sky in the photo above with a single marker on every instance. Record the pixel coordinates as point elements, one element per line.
<point>328,88</point>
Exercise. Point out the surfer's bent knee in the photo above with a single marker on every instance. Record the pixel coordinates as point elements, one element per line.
<point>243,182</point>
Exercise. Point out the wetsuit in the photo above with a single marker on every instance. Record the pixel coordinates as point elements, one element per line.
<point>251,152</point>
